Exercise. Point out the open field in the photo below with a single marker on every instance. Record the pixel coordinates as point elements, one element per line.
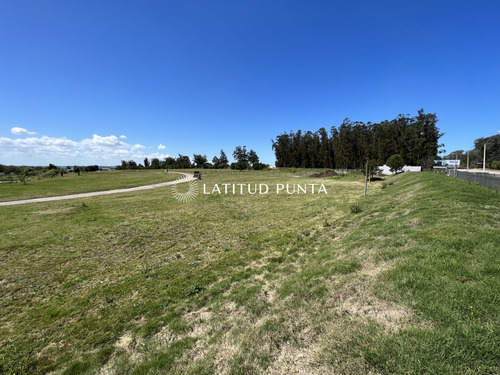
<point>87,182</point>
<point>404,281</point>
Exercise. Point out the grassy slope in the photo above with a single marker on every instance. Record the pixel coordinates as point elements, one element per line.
<point>256,284</point>
<point>71,183</point>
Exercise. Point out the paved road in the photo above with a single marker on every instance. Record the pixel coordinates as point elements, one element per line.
<point>474,170</point>
<point>187,177</point>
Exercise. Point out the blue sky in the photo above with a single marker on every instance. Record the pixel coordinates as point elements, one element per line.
<point>101,81</point>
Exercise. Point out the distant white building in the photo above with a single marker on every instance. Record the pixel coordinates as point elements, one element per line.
<point>407,168</point>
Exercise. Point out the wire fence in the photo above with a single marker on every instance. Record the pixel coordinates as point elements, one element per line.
<point>486,179</point>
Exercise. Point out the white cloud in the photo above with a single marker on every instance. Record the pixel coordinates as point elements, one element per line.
<point>123,137</point>
<point>150,156</point>
<point>161,147</point>
<point>102,150</point>
<point>21,131</point>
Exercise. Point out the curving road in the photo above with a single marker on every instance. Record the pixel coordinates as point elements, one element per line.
<point>187,177</point>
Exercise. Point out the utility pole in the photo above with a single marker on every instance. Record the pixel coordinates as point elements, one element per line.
<point>467,160</point>
<point>484,158</point>
<point>484,154</point>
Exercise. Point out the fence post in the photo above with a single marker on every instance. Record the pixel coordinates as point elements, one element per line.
<point>366,177</point>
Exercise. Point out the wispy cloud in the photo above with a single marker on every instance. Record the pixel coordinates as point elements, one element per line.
<point>123,136</point>
<point>161,147</point>
<point>21,131</point>
<point>103,150</point>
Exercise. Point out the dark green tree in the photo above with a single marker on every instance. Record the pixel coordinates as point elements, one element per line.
<point>220,162</point>
<point>395,163</point>
<point>282,147</point>
<point>253,158</point>
<point>240,154</point>
<point>325,150</point>
<point>199,160</point>
<point>155,163</point>
<point>240,165</point>
<point>223,157</point>
<point>259,166</point>
<point>492,149</point>
<point>95,167</point>
<point>169,162</point>
<point>183,162</point>
<point>349,145</point>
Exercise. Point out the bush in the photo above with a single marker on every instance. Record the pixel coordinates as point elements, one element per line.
<point>91,168</point>
<point>51,173</point>
<point>241,165</point>
<point>385,184</point>
<point>356,208</point>
<point>395,163</point>
<point>259,166</point>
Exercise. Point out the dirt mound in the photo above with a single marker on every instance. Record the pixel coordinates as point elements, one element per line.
<point>325,174</point>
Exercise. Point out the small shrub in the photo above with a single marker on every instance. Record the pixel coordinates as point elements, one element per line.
<point>356,208</point>
<point>194,290</point>
<point>258,166</point>
<point>326,224</point>
<point>395,163</point>
<point>51,173</point>
<point>385,184</point>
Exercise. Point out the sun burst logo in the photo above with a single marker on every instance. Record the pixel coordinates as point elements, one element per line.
<point>187,196</point>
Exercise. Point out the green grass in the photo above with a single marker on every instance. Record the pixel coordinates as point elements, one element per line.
<point>139,283</point>
<point>71,183</point>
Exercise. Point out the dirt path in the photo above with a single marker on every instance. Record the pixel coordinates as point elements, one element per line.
<point>187,177</point>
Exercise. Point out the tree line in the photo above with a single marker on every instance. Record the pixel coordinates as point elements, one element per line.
<point>52,168</point>
<point>12,173</point>
<point>352,144</point>
<point>244,160</point>
<point>476,155</point>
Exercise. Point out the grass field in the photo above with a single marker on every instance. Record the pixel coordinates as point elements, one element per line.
<point>71,183</point>
<point>403,281</point>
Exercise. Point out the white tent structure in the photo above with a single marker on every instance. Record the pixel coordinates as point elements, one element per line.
<point>407,168</point>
